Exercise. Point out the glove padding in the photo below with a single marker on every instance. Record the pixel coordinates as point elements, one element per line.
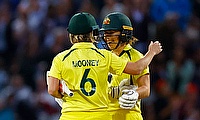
<point>116,91</point>
<point>64,90</point>
<point>128,99</point>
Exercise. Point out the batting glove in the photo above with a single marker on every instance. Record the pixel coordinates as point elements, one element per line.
<point>64,89</point>
<point>116,91</point>
<point>128,99</point>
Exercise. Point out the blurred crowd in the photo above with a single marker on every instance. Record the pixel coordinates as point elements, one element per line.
<point>32,32</point>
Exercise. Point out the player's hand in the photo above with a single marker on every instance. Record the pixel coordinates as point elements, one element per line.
<point>126,84</point>
<point>128,99</point>
<point>116,91</point>
<point>155,47</point>
<point>59,101</point>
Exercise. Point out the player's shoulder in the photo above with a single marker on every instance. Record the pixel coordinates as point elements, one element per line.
<point>62,54</point>
<point>136,52</point>
<point>104,51</point>
<point>107,54</point>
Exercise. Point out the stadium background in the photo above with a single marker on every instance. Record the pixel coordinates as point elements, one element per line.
<point>32,32</point>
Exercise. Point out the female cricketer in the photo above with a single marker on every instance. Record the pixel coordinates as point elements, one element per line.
<point>84,69</point>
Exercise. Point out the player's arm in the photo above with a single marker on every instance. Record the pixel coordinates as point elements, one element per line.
<point>138,66</point>
<point>116,91</point>
<point>143,86</point>
<point>53,87</point>
<point>130,96</point>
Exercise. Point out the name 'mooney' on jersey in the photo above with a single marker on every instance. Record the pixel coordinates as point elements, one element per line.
<point>80,63</point>
<point>84,68</point>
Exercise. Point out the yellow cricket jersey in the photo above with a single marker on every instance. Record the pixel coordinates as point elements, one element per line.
<point>85,70</point>
<point>133,55</point>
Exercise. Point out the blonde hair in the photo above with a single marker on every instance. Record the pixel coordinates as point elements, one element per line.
<point>133,40</point>
<point>81,38</point>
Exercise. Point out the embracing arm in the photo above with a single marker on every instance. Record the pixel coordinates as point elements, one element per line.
<point>130,96</point>
<point>138,66</point>
<point>143,86</point>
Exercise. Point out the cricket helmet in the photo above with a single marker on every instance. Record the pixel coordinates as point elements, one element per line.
<point>118,21</point>
<point>82,23</point>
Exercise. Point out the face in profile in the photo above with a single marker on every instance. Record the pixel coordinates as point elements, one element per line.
<point>112,38</point>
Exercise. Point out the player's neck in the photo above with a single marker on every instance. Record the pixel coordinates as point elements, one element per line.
<point>119,49</point>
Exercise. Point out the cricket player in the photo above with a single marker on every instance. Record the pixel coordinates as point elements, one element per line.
<point>84,69</point>
<point>118,34</point>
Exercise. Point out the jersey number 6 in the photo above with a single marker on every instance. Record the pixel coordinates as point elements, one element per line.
<point>84,81</point>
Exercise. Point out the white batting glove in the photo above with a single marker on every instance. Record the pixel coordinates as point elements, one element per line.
<point>115,91</point>
<point>62,86</point>
<point>124,82</point>
<point>64,89</point>
<point>128,99</point>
